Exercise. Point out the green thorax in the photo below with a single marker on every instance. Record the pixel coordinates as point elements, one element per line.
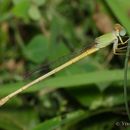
<point>105,40</point>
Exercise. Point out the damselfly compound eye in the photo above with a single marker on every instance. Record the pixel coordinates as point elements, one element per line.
<point>118,27</point>
<point>122,32</point>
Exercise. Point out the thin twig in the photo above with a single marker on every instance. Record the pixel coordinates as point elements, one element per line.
<point>125,80</point>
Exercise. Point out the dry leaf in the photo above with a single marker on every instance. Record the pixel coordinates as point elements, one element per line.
<point>103,22</point>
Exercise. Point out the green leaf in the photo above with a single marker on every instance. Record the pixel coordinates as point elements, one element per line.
<point>121,10</point>
<point>21,9</point>
<point>57,122</point>
<point>4,6</point>
<point>37,49</point>
<point>18,119</point>
<point>39,2</point>
<point>34,12</point>
<point>16,1</point>
<point>72,81</point>
<point>49,124</point>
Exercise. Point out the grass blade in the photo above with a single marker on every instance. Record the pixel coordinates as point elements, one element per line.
<point>125,80</point>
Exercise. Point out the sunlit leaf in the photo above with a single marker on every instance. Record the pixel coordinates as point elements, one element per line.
<point>21,9</point>
<point>39,2</point>
<point>37,49</point>
<point>34,12</point>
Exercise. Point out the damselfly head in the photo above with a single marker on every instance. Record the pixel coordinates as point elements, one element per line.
<point>120,30</point>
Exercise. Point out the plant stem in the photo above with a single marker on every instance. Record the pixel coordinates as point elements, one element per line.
<point>125,80</point>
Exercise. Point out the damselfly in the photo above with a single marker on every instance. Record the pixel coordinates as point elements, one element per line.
<point>114,37</point>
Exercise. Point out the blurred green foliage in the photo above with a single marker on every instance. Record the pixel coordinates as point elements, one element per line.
<point>87,95</point>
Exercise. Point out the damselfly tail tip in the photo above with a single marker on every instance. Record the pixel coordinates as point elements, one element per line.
<point>3,101</point>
